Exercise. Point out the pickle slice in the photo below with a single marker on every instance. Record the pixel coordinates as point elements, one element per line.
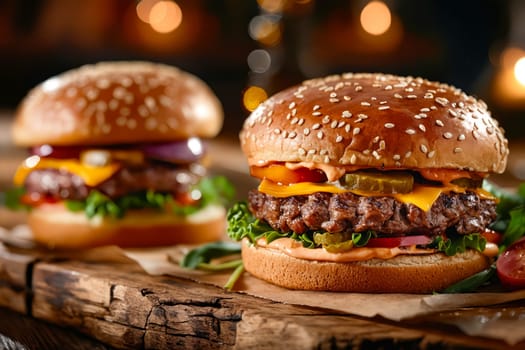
<point>336,242</point>
<point>466,182</point>
<point>379,181</point>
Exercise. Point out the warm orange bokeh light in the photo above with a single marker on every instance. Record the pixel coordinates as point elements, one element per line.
<point>376,18</point>
<point>519,70</point>
<point>144,8</point>
<point>253,96</point>
<point>165,16</point>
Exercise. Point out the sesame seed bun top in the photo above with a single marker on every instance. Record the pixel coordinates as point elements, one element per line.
<point>117,102</point>
<point>378,121</point>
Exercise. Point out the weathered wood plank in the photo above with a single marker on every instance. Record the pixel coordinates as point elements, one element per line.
<point>125,308</point>
<point>14,269</point>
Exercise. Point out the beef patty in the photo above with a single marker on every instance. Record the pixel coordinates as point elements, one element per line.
<point>346,212</point>
<point>62,184</point>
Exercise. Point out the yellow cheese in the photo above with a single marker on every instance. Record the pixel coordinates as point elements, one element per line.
<point>421,196</point>
<point>92,175</point>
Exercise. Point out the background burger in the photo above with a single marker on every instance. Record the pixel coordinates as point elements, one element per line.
<point>117,158</point>
<point>369,183</point>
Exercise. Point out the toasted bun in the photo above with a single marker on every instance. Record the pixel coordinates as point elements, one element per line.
<point>376,120</point>
<point>117,102</point>
<point>401,274</point>
<point>55,227</point>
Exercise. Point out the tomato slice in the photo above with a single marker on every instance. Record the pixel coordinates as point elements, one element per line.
<point>35,199</point>
<point>492,236</point>
<point>511,265</point>
<point>281,174</point>
<point>60,152</point>
<point>393,242</point>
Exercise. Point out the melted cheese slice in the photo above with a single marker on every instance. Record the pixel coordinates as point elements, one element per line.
<point>422,196</point>
<point>92,175</point>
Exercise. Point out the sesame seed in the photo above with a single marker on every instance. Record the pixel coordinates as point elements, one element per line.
<point>439,123</point>
<point>383,102</point>
<point>425,110</point>
<point>348,127</point>
<point>409,89</point>
<point>292,134</point>
<point>357,131</point>
<point>301,151</point>
<point>441,101</point>
<point>398,96</point>
<point>306,131</point>
<point>316,126</point>
<point>376,155</point>
<point>389,125</point>
<point>410,131</point>
<point>333,100</point>
<point>431,154</point>
<point>347,98</point>
<point>339,138</point>
<point>475,134</point>
<point>382,108</point>
<point>346,114</point>
<point>300,122</point>
<point>311,151</point>
<point>326,119</point>
<point>316,107</point>
<point>448,135</point>
<point>353,159</point>
<point>291,105</point>
<point>316,114</point>
<point>341,124</point>
<point>333,94</point>
<point>323,152</point>
<point>461,137</point>
<point>294,112</point>
<point>408,154</point>
<point>422,127</point>
<point>277,131</point>
<point>396,157</point>
<point>366,104</point>
<point>294,121</point>
<point>453,113</point>
<point>423,148</point>
<point>333,125</point>
<point>458,150</point>
<point>375,139</point>
<point>382,145</point>
<point>358,88</point>
<point>388,87</point>
<point>412,96</point>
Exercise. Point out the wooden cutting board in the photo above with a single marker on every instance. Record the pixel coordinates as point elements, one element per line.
<point>119,305</point>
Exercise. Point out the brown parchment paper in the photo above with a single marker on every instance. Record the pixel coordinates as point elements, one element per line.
<point>479,316</point>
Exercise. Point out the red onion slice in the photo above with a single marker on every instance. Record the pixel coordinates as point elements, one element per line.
<point>185,151</point>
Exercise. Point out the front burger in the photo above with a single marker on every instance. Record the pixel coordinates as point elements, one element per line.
<point>368,183</point>
<point>117,156</point>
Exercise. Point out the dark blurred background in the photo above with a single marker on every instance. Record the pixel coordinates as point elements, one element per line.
<point>248,49</point>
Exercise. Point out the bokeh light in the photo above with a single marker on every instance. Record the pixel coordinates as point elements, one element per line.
<point>259,61</point>
<point>253,96</point>
<point>519,70</point>
<point>376,18</point>
<point>143,9</point>
<point>265,29</point>
<point>165,16</point>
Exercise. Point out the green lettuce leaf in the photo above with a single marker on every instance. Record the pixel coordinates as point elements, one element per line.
<point>454,244</point>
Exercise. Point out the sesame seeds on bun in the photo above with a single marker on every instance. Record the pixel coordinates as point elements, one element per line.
<point>118,102</point>
<point>377,121</point>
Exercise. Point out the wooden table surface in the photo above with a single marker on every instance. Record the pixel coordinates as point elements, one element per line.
<point>73,304</point>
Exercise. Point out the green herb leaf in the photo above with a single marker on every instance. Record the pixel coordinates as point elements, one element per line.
<point>12,199</point>
<point>515,228</point>
<point>207,252</point>
<point>473,282</point>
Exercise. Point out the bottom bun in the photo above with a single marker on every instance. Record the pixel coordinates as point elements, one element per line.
<point>56,227</point>
<point>401,274</point>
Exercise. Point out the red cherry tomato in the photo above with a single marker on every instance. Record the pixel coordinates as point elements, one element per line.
<point>393,242</point>
<point>511,265</point>
<point>280,173</point>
